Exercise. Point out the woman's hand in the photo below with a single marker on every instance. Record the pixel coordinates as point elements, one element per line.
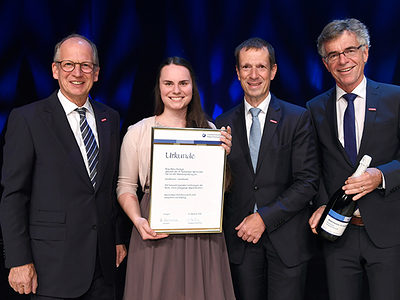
<point>226,139</point>
<point>130,204</point>
<point>142,225</point>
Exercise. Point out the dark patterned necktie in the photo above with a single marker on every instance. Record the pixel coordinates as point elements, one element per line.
<point>350,144</point>
<point>89,140</point>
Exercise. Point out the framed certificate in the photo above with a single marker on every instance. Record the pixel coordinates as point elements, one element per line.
<point>187,180</point>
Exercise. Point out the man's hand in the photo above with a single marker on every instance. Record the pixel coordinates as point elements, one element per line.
<point>364,184</point>
<point>316,216</point>
<point>121,253</point>
<point>23,279</point>
<point>251,228</point>
<point>226,139</point>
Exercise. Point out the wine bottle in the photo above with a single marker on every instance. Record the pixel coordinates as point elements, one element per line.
<point>340,208</point>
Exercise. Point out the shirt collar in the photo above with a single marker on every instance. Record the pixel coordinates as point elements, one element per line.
<point>69,106</point>
<point>263,105</point>
<point>360,90</point>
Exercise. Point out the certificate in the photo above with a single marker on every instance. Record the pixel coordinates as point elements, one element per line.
<point>187,180</point>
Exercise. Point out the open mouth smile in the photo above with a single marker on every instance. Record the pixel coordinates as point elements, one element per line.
<point>77,82</point>
<point>254,84</point>
<point>346,70</point>
<point>176,98</point>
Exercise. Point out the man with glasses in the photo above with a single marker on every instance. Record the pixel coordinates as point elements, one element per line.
<point>58,209</point>
<point>357,117</point>
<point>274,177</point>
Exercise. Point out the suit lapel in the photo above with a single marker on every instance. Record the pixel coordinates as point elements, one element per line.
<point>57,122</point>
<point>272,120</point>
<point>239,125</point>
<point>372,103</point>
<point>331,115</point>
<point>103,133</point>
<point>332,120</point>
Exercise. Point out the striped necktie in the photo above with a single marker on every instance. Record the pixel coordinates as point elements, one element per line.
<point>89,140</point>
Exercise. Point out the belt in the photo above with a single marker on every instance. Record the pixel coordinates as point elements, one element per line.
<point>357,221</point>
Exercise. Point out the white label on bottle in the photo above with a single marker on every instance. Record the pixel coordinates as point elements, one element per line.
<point>335,223</point>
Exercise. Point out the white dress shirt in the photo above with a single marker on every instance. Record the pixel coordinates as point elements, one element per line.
<point>74,119</point>
<point>261,117</point>
<point>359,111</point>
<point>360,104</point>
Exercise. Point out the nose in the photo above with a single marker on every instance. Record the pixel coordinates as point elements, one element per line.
<point>342,58</point>
<point>253,73</point>
<point>176,89</point>
<point>77,70</point>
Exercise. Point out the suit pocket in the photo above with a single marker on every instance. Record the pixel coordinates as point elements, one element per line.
<point>47,233</point>
<point>48,225</point>
<point>48,216</point>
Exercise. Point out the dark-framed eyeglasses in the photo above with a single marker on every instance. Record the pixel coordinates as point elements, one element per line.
<point>350,52</point>
<point>69,66</point>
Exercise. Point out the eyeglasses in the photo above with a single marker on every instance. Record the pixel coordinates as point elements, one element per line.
<point>69,66</point>
<point>350,52</point>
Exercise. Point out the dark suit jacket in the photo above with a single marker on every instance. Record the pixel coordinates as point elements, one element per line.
<point>285,181</point>
<point>380,209</point>
<point>50,213</point>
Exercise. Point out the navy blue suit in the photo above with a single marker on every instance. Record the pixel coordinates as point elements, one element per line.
<point>285,181</point>
<point>50,213</point>
<point>380,209</point>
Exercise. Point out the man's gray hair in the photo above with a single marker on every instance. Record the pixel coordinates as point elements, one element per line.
<point>335,28</point>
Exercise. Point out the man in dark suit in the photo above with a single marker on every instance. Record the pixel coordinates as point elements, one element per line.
<point>58,208</point>
<point>358,117</point>
<point>274,177</point>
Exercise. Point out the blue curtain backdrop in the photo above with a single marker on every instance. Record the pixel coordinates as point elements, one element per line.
<point>133,37</point>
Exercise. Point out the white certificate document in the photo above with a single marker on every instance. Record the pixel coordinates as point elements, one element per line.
<point>187,180</point>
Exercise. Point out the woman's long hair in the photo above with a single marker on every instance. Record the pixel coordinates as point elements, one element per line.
<point>195,116</point>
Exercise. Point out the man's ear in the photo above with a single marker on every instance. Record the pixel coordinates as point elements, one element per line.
<point>237,73</point>
<point>55,70</point>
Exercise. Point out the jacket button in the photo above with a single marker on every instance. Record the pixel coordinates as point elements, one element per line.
<point>94,227</point>
<point>255,187</point>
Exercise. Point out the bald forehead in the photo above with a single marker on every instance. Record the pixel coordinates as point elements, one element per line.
<point>74,41</point>
<point>76,49</point>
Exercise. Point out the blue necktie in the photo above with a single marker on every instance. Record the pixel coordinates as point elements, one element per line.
<point>350,144</point>
<point>89,140</point>
<point>255,137</point>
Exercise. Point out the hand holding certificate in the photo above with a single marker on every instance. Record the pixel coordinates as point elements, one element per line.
<point>187,180</point>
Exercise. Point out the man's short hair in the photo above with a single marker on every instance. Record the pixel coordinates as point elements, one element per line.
<point>75,35</point>
<point>335,28</point>
<point>255,43</point>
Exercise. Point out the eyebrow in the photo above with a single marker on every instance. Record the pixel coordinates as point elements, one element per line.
<point>343,50</point>
<point>257,65</point>
<point>184,80</point>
